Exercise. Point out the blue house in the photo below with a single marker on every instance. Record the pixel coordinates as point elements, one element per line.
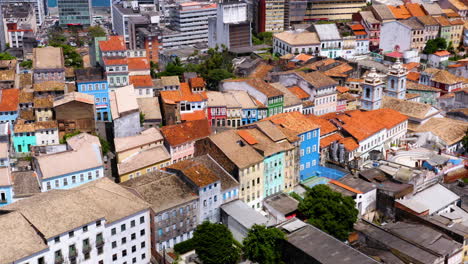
<point>309,140</point>
<point>82,165</point>
<point>248,105</point>
<point>24,136</point>
<point>9,104</point>
<point>93,81</point>
<point>6,186</point>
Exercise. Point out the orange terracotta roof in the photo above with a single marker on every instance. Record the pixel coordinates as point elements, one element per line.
<point>415,9</point>
<point>457,22</point>
<point>360,33</point>
<point>326,126</point>
<point>293,121</point>
<point>344,186</point>
<point>245,135</point>
<point>443,21</point>
<point>455,65</point>
<point>114,43</point>
<point>413,76</point>
<point>349,143</point>
<point>357,27</point>
<point>261,71</point>
<point>195,115</point>
<point>447,95</point>
<point>301,94</point>
<point>186,132</point>
<point>442,53</point>
<point>184,94</point>
<point>411,65</point>
<point>197,82</point>
<point>138,64</point>
<point>303,57</point>
<point>259,104</point>
<point>400,12</point>
<point>328,140</point>
<point>114,61</point>
<point>409,96</point>
<point>141,80</point>
<point>342,89</point>
<point>354,80</point>
<point>9,100</point>
<point>339,71</point>
<point>198,173</point>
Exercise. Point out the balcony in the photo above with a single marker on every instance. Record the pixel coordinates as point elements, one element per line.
<point>86,249</point>
<point>58,260</point>
<point>72,253</point>
<point>99,241</point>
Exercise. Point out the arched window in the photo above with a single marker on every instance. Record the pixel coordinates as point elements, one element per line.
<point>368,92</point>
<point>392,84</point>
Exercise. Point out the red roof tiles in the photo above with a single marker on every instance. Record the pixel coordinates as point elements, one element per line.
<point>245,135</point>
<point>114,43</point>
<point>413,76</point>
<point>141,81</point>
<point>342,89</point>
<point>441,53</point>
<point>328,140</point>
<point>357,27</point>
<point>195,115</point>
<point>138,64</point>
<point>197,82</point>
<point>108,62</point>
<point>9,100</point>
<point>415,9</point>
<point>186,132</point>
<point>301,94</point>
<point>184,94</point>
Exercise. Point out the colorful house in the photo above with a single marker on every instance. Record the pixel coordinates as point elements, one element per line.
<point>24,136</point>
<point>9,99</point>
<point>93,81</point>
<point>6,186</point>
<point>249,108</point>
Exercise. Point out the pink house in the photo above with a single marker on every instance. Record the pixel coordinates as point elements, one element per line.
<point>180,139</point>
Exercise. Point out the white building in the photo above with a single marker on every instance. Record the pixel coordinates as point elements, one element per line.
<point>372,89</point>
<point>330,40</point>
<point>438,59</point>
<point>46,133</point>
<point>99,222</point>
<point>396,81</point>
<point>395,33</point>
<point>298,41</point>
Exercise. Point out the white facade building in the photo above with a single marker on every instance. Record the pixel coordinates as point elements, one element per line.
<point>372,89</point>
<point>396,81</point>
<point>91,224</point>
<point>330,40</point>
<point>47,136</point>
<point>393,34</point>
<point>294,42</point>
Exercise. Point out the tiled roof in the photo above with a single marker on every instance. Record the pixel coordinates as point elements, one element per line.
<point>22,127</point>
<point>123,100</point>
<point>74,96</point>
<point>25,80</point>
<point>410,96</point>
<point>413,76</point>
<point>195,115</point>
<point>44,102</point>
<point>409,108</point>
<point>296,38</point>
<point>349,143</point>
<point>259,85</point>
<point>146,137</point>
<point>447,96</point>
<point>144,158</point>
<point>183,94</point>
<point>450,13</point>
<point>411,65</point>
<point>149,106</point>
<point>197,82</point>
<point>455,65</point>
<point>140,81</point>
<point>449,130</point>
<point>443,76</point>
<point>41,125</point>
<point>48,58</point>
<point>25,97</point>
<point>354,80</point>
<point>442,21</point>
<point>339,71</point>
<point>9,100</point>
<point>412,23</point>
<point>415,9</point>
<point>428,20</point>
<point>442,53</point>
<point>138,64</point>
<point>115,61</point>
<point>49,86</point>
<point>7,75</point>
<point>342,89</point>
<point>70,72</point>
<point>294,121</point>
<point>198,173</point>
<point>457,22</point>
<point>359,33</point>
<point>301,94</point>
<point>400,12</point>
<point>114,43</point>
<point>289,98</point>
<point>303,57</point>
<point>261,71</point>
<point>460,5</point>
<point>170,80</point>
<point>328,140</point>
<point>357,27</point>
<point>317,79</point>
<point>245,135</point>
<point>421,87</point>
<point>326,126</point>
<point>382,12</point>
<point>321,63</point>
<point>186,132</point>
<point>26,114</point>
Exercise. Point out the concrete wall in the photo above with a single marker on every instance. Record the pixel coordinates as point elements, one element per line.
<point>392,34</point>
<point>127,125</point>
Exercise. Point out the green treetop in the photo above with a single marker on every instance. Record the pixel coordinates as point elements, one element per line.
<point>263,245</point>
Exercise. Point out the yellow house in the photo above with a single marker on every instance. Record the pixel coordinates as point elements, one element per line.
<point>143,162</point>
<point>43,108</point>
<point>128,146</point>
<point>456,32</point>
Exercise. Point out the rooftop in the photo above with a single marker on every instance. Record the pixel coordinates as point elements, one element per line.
<point>89,74</point>
<point>43,102</point>
<point>301,94</point>
<point>298,38</point>
<point>409,108</point>
<point>25,183</point>
<point>123,101</point>
<point>146,137</point>
<point>421,87</point>
<point>58,211</point>
<point>74,96</point>
<point>451,131</point>
<point>294,121</point>
<point>49,86</point>
<point>143,159</point>
<point>327,32</point>
<point>138,64</point>
<point>87,157</point>
<point>289,99</point>
<point>282,203</point>
<point>182,94</point>
<point>9,99</point>
<point>161,189</point>
<point>317,79</point>
<point>415,9</point>
<point>432,199</point>
<point>81,140</point>
<point>227,181</point>
<point>186,132</point>
<point>263,87</point>
<point>141,81</point>
<point>113,43</point>
<point>48,58</point>
<point>7,75</point>
<point>170,80</point>
<point>243,214</point>
<point>150,108</point>
<point>197,172</point>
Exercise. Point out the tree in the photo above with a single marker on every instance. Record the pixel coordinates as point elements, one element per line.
<point>6,56</point>
<point>72,58</point>
<point>69,135</point>
<point>263,245</point>
<point>26,64</point>
<point>215,76</point>
<point>142,118</point>
<point>96,31</point>
<point>329,211</point>
<point>214,244</point>
<point>434,45</point>
<point>450,47</point>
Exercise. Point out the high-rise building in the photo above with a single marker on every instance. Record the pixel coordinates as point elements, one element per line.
<point>74,12</point>
<point>270,16</point>
<point>39,8</point>
<point>17,20</point>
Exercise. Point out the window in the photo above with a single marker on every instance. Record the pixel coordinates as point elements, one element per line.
<point>114,257</point>
<point>81,177</point>
<point>48,186</point>
<point>124,253</point>
<point>143,256</point>
<point>71,234</point>
<point>123,227</point>
<point>85,228</point>
<point>133,249</point>
<point>142,232</point>
<point>113,231</point>
<point>133,236</point>
<point>73,179</point>
<point>57,239</point>
<point>142,220</point>
<point>124,240</point>
<point>65,182</point>
<point>143,244</point>
<point>114,244</point>
<point>57,184</point>
<point>132,223</point>
<point>90,176</point>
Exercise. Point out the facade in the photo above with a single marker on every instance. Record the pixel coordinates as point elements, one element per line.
<point>270,16</point>
<point>180,139</point>
<point>295,42</point>
<point>9,101</point>
<point>143,162</point>
<point>113,58</point>
<point>393,34</point>
<point>6,185</point>
<point>46,133</point>
<point>249,110</point>
<point>18,19</point>
<point>112,228</point>
<point>427,94</point>
<point>75,112</point>
<point>48,65</point>
<point>173,203</point>
<point>441,79</point>
<point>92,81</point>
<point>74,12</point>
<point>438,59</point>
<point>372,91</point>
<point>24,137</point>
<point>125,112</point>
<point>330,40</point>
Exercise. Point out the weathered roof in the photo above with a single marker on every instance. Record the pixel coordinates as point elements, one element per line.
<point>150,108</point>
<point>161,189</point>
<point>443,76</point>
<point>87,157</point>
<point>25,80</point>
<point>58,211</point>
<point>289,99</point>
<point>182,94</point>
<point>113,43</point>
<point>148,136</point>
<point>244,99</point>
<point>297,38</point>
<point>25,97</point>
<point>427,20</point>
<point>25,183</point>
<point>141,81</point>
<point>383,12</point>
<point>421,87</point>
<point>186,132</point>
<point>215,99</point>
<point>282,203</point>
<point>449,130</point>
<point>327,32</point>
<point>138,64</point>
<point>243,214</point>
<point>301,94</point>
<point>294,121</point>
<point>74,96</point>
<point>412,23</point>
<point>144,158</point>
<point>7,75</point>
<point>170,80</point>
<point>265,88</point>
<point>123,100</point>
<point>236,149</point>
<point>198,173</point>
<point>317,79</point>
<point>432,9</point>
<point>81,140</point>
<point>433,199</point>
<point>48,58</point>
<point>409,108</point>
<point>9,100</point>
<point>415,9</point>
<point>43,102</point>
<point>49,86</point>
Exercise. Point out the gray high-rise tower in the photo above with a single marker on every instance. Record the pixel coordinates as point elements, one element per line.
<point>74,12</point>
